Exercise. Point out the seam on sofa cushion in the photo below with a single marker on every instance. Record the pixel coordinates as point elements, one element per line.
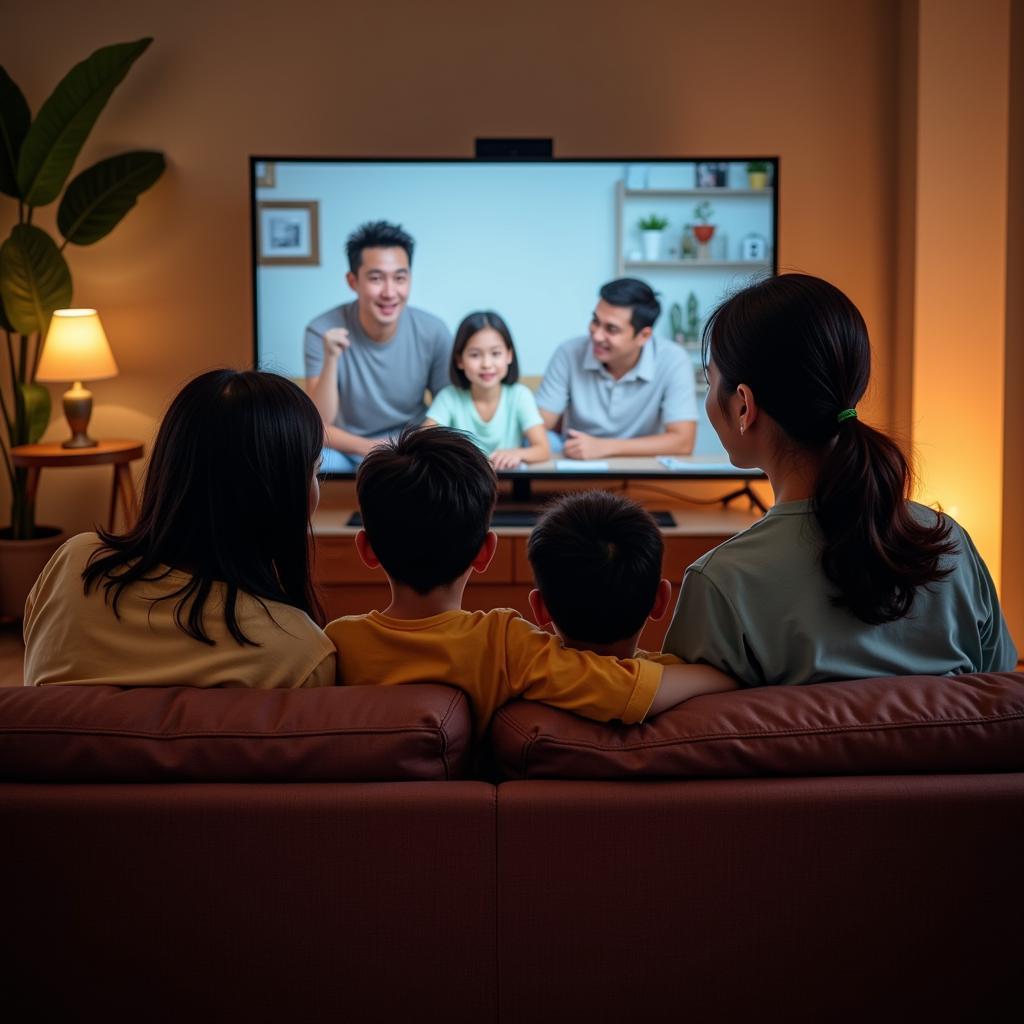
<point>443,731</point>
<point>777,733</point>
<point>235,734</point>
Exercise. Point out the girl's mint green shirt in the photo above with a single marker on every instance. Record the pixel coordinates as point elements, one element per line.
<point>516,413</point>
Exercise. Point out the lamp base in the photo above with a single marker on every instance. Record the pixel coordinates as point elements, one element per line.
<point>80,441</point>
<point>77,410</point>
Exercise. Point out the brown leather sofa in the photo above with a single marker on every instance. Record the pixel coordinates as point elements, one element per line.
<point>841,852</point>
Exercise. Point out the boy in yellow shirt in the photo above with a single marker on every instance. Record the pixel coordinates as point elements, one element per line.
<point>426,500</point>
<point>596,558</point>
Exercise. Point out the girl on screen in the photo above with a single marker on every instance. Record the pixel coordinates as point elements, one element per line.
<point>212,586</point>
<point>485,398</point>
<point>845,577</point>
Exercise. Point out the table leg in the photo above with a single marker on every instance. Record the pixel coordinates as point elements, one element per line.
<point>124,486</point>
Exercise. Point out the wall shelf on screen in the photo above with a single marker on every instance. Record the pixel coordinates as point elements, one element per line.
<point>655,193</point>
<point>697,264</point>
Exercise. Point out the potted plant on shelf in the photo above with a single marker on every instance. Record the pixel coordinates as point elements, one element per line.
<point>35,161</point>
<point>703,230</point>
<point>650,230</point>
<point>757,174</point>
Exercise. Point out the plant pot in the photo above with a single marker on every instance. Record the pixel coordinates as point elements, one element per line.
<point>703,232</point>
<point>757,179</point>
<point>21,561</point>
<point>652,245</point>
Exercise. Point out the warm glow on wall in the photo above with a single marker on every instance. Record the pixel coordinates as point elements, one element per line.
<point>960,267</point>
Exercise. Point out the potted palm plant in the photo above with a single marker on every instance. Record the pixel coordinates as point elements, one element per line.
<point>36,159</point>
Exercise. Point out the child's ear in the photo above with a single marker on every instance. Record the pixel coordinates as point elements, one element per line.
<point>541,615</point>
<point>486,552</point>
<point>662,600</point>
<point>368,558</point>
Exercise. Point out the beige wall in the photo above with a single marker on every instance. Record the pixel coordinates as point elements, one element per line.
<point>812,82</point>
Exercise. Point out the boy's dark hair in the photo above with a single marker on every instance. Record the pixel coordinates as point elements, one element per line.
<point>638,296</point>
<point>376,234</point>
<point>426,498</point>
<point>226,499</point>
<point>470,325</point>
<point>596,558</point>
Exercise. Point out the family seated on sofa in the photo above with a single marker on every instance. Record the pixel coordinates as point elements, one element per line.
<point>843,578</point>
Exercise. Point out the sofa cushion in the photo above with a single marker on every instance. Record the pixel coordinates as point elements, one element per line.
<point>182,733</point>
<point>908,724</point>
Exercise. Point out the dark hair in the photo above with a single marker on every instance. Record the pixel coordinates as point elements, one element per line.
<point>638,295</point>
<point>470,325</point>
<point>802,347</point>
<point>226,499</point>
<point>426,498</point>
<point>376,234</point>
<point>596,558</point>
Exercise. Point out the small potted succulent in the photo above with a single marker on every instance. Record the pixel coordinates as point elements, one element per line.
<point>650,230</point>
<point>757,174</point>
<point>703,230</point>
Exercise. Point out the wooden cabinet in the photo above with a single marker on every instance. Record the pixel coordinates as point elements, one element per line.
<point>348,587</point>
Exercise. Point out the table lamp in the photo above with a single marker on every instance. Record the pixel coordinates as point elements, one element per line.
<point>76,349</point>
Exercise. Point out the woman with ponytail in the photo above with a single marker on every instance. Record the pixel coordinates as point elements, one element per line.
<point>845,577</point>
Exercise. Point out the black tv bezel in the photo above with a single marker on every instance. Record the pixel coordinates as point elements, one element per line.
<point>525,475</point>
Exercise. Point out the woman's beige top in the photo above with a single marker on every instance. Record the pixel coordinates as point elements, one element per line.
<point>74,638</point>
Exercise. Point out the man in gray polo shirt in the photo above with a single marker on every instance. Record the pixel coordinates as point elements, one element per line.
<point>621,391</point>
<point>368,362</point>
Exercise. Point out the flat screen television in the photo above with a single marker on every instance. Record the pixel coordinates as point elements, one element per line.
<point>533,239</point>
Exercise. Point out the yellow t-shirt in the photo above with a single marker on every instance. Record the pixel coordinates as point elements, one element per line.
<point>493,657</point>
<point>72,637</point>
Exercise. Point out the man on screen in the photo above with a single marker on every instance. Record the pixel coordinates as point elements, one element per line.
<point>620,391</point>
<point>368,362</point>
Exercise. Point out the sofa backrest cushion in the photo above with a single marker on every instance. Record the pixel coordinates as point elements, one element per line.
<point>902,724</point>
<point>182,733</point>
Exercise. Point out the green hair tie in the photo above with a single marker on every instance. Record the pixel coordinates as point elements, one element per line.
<point>846,414</point>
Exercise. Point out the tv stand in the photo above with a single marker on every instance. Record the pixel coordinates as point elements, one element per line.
<point>348,587</point>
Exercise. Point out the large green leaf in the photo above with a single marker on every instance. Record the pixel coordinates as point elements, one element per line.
<point>15,118</point>
<point>101,195</point>
<point>37,410</point>
<point>66,118</point>
<point>34,279</point>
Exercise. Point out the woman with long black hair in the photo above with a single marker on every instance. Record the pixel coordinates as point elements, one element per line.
<point>845,577</point>
<point>212,586</point>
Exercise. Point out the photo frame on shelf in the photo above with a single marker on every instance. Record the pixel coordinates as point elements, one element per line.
<point>266,174</point>
<point>288,233</point>
<point>712,174</point>
<point>754,247</point>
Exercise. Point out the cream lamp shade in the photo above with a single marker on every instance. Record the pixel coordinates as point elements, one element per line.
<point>76,349</point>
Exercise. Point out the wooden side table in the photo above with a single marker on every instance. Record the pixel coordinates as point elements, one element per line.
<point>37,457</point>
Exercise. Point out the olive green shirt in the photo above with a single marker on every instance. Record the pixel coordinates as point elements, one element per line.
<point>759,607</point>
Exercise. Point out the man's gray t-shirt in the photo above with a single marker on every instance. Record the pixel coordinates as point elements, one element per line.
<point>759,607</point>
<point>381,384</point>
<point>658,390</point>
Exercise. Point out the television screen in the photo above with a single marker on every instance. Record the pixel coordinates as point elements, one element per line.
<point>534,241</point>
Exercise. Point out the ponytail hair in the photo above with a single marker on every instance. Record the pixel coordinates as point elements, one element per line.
<point>802,347</point>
